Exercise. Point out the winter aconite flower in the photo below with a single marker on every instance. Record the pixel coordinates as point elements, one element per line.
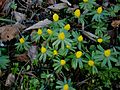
<point>67,27</point>
<point>61,36</point>
<point>22,40</point>
<point>55,17</point>
<point>100,40</point>
<point>55,52</point>
<point>91,63</point>
<point>49,31</point>
<point>80,38</point>
<point>99,10</point>
<point>77,13</point>
<point>78,54</point>
<point>107,52</point>
<point>85,1</point>
<point>68,46</point>
<point>66,87</point>
<point>62,62</point>
<point>43,50</point>
<point>39,32</point>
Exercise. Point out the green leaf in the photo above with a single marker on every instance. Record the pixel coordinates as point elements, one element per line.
<point>3,61</point>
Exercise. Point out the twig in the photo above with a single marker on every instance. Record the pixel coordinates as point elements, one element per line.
<point>78,84</point>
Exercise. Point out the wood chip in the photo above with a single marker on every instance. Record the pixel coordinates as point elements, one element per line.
<point>10,80</point>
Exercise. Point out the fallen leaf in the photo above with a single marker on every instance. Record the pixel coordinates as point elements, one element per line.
<point>22,57</point>
<point>40,24</point>
<point>10,80</point>
<point>51,1</point>
<point>57,7</point>
<point>71,10</point>
<point>19,16</point>
<point>66,1</point>
<point>115,23</point>
<point>5,8</point>
<point>32,52</point>
<point>9,32</point>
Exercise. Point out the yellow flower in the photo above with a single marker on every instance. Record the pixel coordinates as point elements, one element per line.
<point>22,40</point>
<point>67,27</point>
<point>68,46</point>
<point>77,13</point>
<point>80,38</point>
<point>107,52</point>
<point>85,1</point>
<point>55,52</point>
<point>78,54</point>
<point>91,63</point>
<point>55,17</point>
<point>61,36</point>
<point>49,31</point>
<point>62,62</point>
<point>66,87</point>
<point>99,10</point>
<point>43,50</point>
<point>100,40</point>
<point>39,32</point>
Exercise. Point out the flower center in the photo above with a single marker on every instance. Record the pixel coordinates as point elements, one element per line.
<point>61,36</point>
<point>39,32</point>
<point>49,31</point>
<point>62,62</point>
<point>66,87</point>
<point>67,27</point>
<point>55,17</point>
<point>107,52</point>
<point>78,54</point>
<point>55,52</point>
<point>43,50</point>
<point>80,38</point>
<point>99,10</point>
<point>77,13</point>
<point>100,40</point>
<point>91,63</point>
<point>22,40</point>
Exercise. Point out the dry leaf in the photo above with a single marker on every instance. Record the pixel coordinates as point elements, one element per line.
<point>66,1</point>
<point>32,52</point>
<point>22,57</point>
<point>9,32</point>
<point>5,6</point>
<point>51,1</point>
<point>19,16</point>
<point>10,80</point>
<point>115,23</point>
<point>40,24</point>
<point>71,10</point>
<point>57,7</point>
